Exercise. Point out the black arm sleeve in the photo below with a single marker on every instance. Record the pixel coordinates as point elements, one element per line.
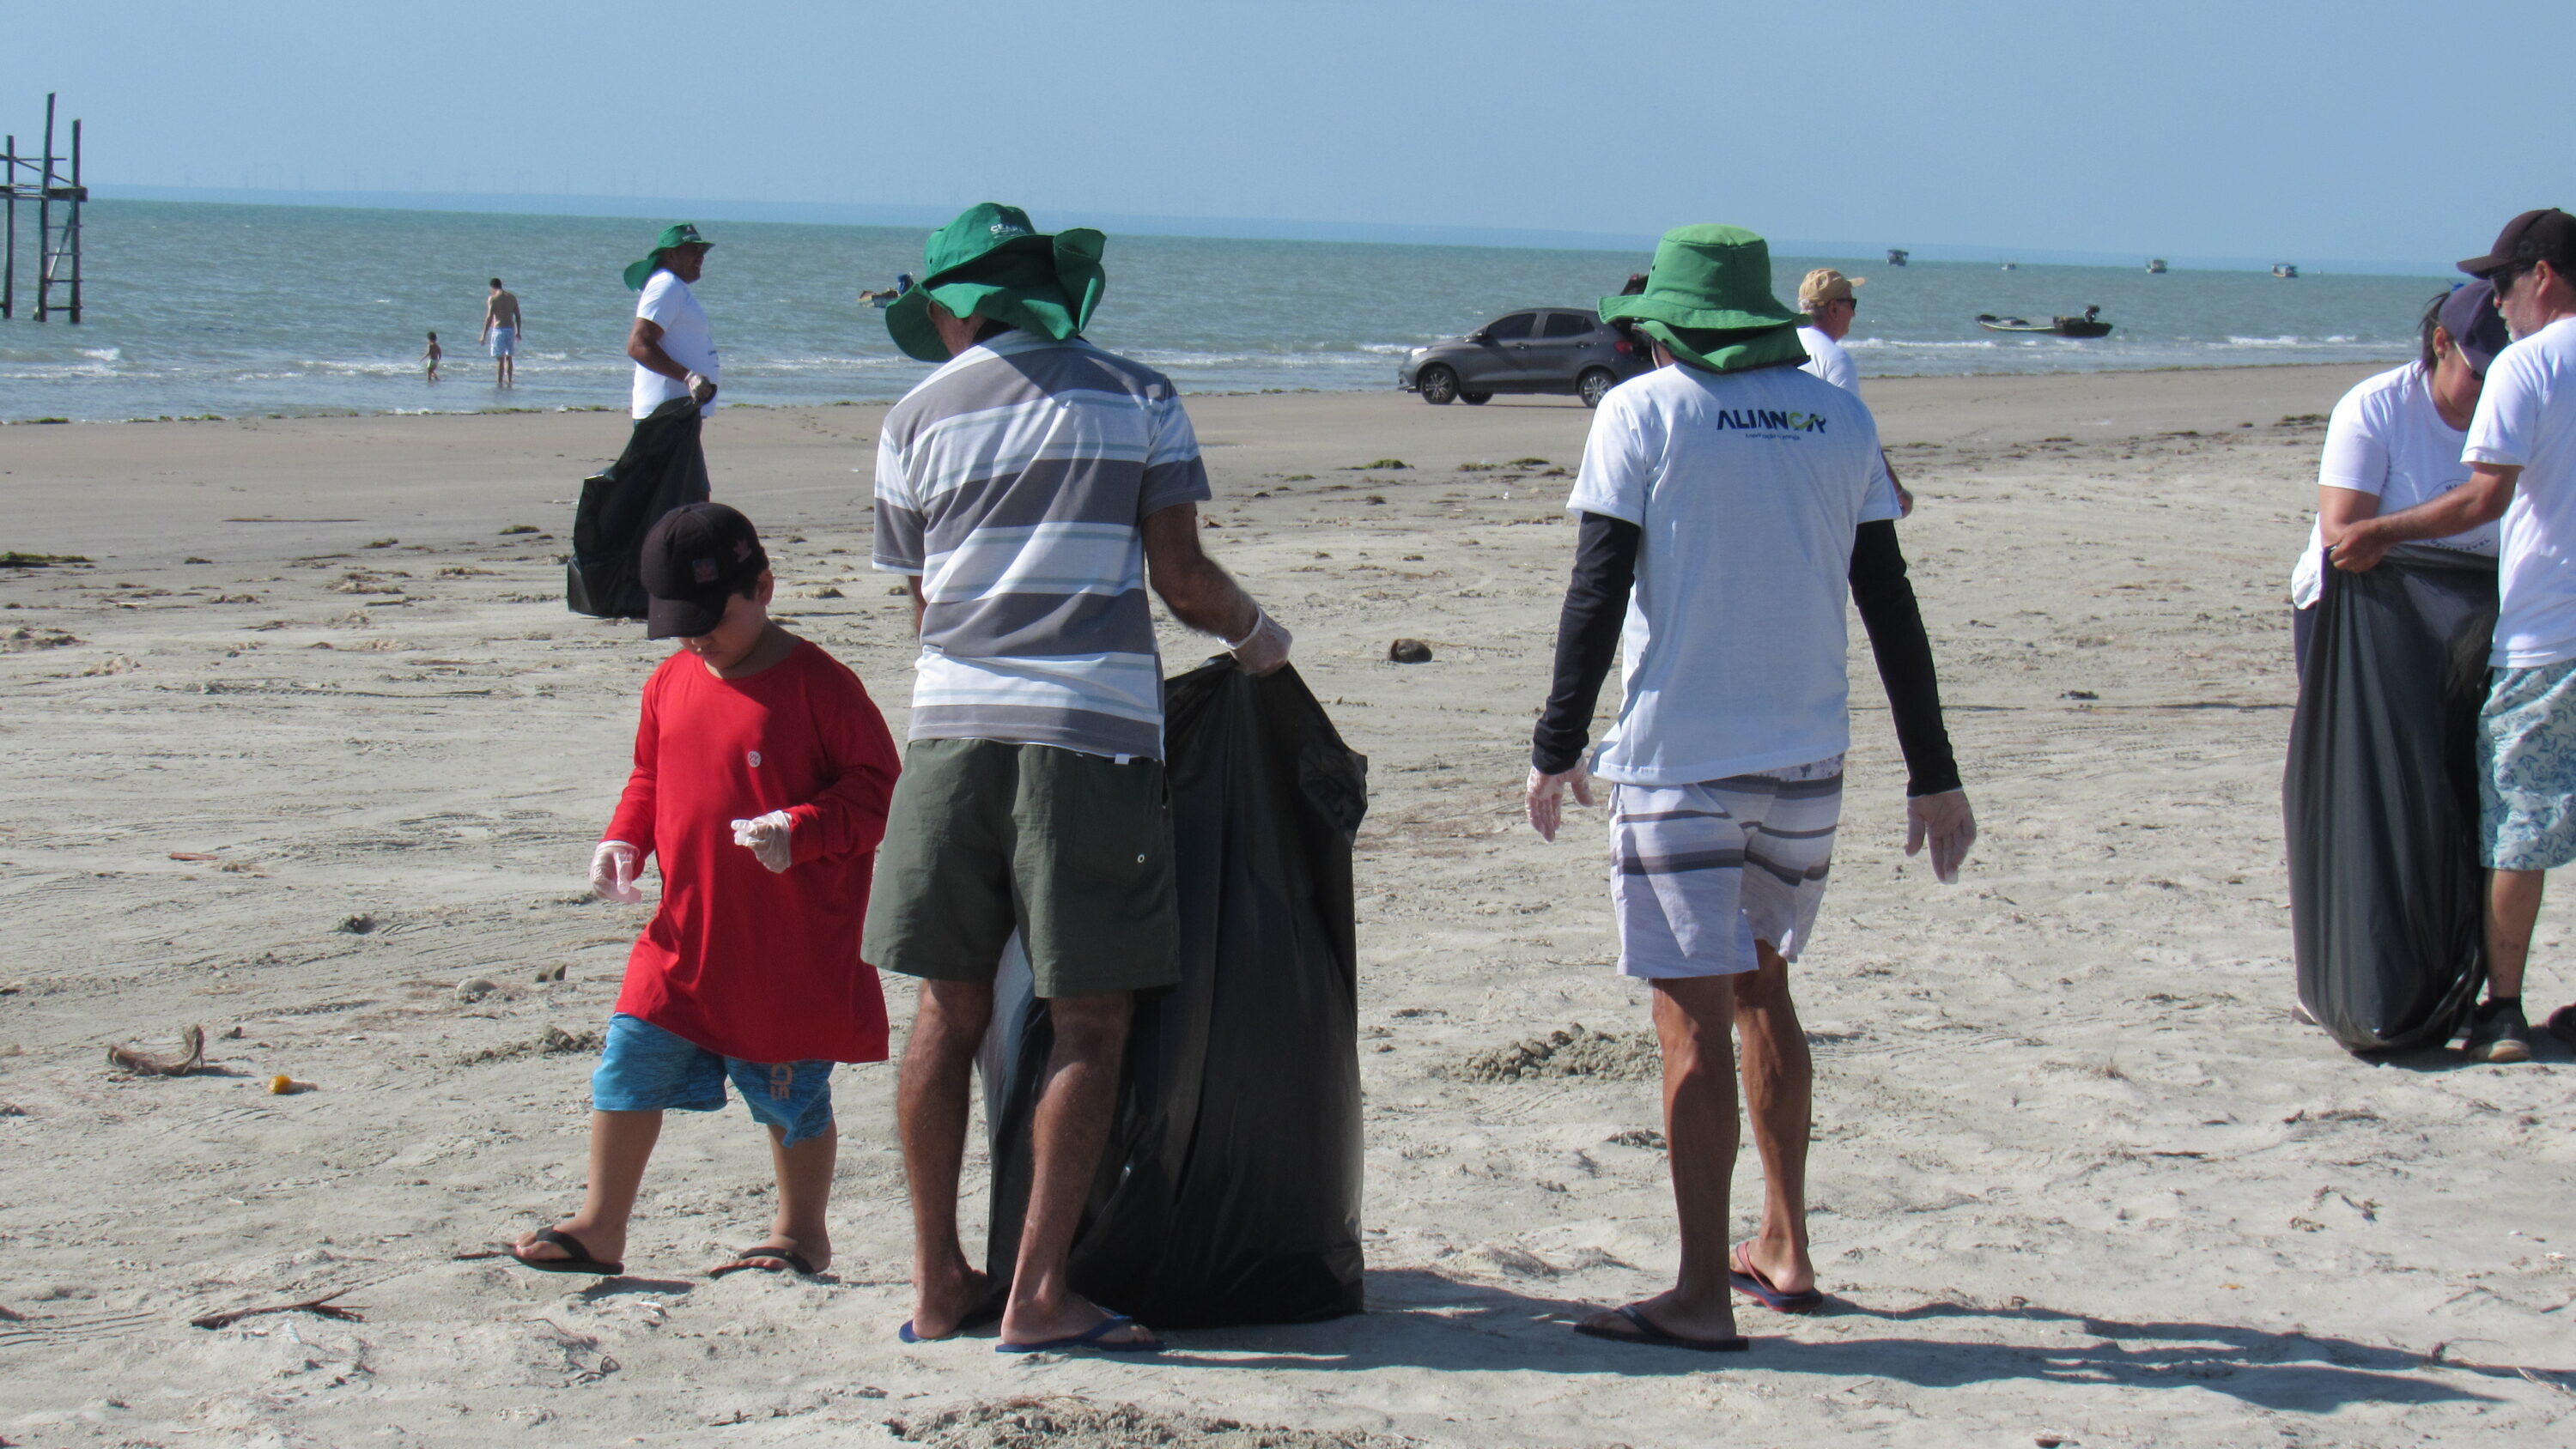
<point>1895,625</point>
<point>1587,639</point>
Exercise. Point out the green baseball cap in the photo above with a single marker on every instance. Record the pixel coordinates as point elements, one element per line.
<point>682,235</point>
<point>1708,299</point>
<point>993,260</point>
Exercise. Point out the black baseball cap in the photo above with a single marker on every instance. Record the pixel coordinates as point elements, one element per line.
<point>698,556</point>
<point>2469,314</point>
<point>2547,235</point>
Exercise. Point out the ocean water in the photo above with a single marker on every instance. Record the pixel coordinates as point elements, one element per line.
<point>197,308</point>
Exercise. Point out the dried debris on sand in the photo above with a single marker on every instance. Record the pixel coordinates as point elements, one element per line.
<point>1576,1051</point>
<point>1073,1423</point>
<point>192,1058</point>
<point>554,1040</point>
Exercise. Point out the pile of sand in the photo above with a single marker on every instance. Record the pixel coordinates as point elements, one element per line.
<point>1576,1051</point>
<point>1075,1423</point>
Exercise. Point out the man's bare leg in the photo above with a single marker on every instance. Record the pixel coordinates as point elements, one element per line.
<point>1693,1020</point>
<point>930,1114</point>
<point>620,1144</point>
<point>1071,1130</point>
<point>2513,908</point>
<point>1779,1097</point>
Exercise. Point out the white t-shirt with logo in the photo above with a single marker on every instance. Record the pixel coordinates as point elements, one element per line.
<point>1826,359</point>
<point>2387,438</point>
<point>1748,487</point>
<point>2526,419</point>
<point>668,303</point>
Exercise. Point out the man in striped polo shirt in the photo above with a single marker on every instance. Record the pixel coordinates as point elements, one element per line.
<point>1028,491</point>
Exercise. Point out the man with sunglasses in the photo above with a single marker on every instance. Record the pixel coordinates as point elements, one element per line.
<point>2521,453</point>
<point>1826,297</point>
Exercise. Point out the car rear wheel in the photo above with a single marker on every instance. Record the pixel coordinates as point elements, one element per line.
<point>1438,385</point>
<point>1594,385</point>
<point>1475,399</point>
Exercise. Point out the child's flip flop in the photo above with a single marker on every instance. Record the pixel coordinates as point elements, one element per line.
<point>580,1260</point>
<point>1751,1281</point>
<point>1091,1339</point>
<point>767,1259</point>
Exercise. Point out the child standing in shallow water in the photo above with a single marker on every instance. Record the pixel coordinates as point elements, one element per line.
<point>762,772</point>
<point>430,355</point>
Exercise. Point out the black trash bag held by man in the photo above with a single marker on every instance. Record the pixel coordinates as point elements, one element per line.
<point>662,468</point>
<point>2380,799</point>
<point>1230,1193</point>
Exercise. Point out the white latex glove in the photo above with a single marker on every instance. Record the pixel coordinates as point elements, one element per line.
<point>766,837</point>
<point>1264,649</point>
<point>1547,798</point>
<point>613,869</point>
<point>1951,825</point>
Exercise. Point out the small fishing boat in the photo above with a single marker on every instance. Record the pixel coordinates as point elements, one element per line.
<point>2285,271</point>
<point>2088,325</point>
<point>1896,256</point>
<point>2155,266</point>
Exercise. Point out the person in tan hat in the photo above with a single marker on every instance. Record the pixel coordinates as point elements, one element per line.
<point>1826,297</point>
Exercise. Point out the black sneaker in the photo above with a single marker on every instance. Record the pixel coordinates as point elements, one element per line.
<point>2497,1033</point>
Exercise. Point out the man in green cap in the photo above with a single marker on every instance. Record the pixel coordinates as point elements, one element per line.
<point>1719,501</point>
<point>1029,491</point>
<point>664,464</point>
<point>674,350</point>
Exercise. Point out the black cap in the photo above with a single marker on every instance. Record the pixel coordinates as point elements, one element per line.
<point>2477,329</point>
<point>697,557</point>
<point>2547,235</point>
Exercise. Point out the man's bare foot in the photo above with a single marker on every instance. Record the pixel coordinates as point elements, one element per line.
<point>1781,1266</point>
<point>1070,1317</point>
<point>1667,1313</point>
<point>779,1253</point>
<point>606,1244</point>
<point>942,1307</point>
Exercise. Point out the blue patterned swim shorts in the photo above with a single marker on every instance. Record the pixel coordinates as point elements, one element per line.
<point>2527,768</point>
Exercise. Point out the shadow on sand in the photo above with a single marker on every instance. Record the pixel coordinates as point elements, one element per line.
<point>1424,1320</point>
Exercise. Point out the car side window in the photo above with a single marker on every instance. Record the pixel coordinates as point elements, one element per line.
<point>1510,329</point>
<point>1567,324</point>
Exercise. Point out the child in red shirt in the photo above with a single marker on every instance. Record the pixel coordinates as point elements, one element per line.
<point>762,771</point>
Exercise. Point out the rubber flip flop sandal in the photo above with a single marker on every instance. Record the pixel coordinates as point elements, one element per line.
<point>982,1315</point>
<point>1648,1333</point>
<point>1090,1340</point>
<point>581,1262</point>
<point>765,1259</point>
<point>1752,1282</point>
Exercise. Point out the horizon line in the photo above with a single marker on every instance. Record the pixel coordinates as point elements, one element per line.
<point>925,218</point>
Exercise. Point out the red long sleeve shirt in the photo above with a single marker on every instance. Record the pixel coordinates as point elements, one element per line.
<point>759,966</point>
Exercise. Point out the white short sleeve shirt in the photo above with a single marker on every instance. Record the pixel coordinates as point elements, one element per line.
<point>1827,359</point>
<point>1747,487</point>
<point>2387,438</point>
<point>668,303</point>
<point>2526,419</point>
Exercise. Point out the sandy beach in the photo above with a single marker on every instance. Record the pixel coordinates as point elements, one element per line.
<point>311,754</point>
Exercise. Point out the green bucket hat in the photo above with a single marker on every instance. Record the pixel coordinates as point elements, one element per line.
<point>1708,299</point>
<point>992,260</point>
<point>683,235</point>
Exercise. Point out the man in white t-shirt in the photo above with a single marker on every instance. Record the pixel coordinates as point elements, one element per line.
<point>673,348</point>
<point>1826,297</point>
<point>1718,500</point>
<point>2521,453</point>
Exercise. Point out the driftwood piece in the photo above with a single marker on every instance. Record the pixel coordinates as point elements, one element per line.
<point>144,1063</point>
<point>321,1305</point>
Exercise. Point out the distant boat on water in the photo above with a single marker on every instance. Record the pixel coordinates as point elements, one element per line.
<point>2012,266</point>
<point>2088,325</point>
<point>2155,266</point>
<point>2285,271</point>
<point>1896,256</point>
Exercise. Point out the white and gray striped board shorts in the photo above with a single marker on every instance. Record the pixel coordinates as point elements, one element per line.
<point>1700,872</point>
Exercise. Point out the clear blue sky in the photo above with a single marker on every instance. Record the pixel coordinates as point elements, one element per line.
<point>2380,131</point>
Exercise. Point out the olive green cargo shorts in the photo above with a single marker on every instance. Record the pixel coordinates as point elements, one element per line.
<point>1072,850</point>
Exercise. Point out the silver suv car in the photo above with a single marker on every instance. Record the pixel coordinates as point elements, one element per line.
<point>1545,349</point>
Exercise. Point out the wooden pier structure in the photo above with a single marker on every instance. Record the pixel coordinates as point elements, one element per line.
<point>55,192</point>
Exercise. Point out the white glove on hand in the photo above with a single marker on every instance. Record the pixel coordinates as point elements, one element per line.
<point>1264,649</point>
<point>766,837</point>
<point>613,869</point>
<point>1951,825</point>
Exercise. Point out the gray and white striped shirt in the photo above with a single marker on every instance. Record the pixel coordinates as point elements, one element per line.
<point>1014,483</point>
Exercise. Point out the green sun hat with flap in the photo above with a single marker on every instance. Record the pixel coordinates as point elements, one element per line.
<point>992,260</point>
<point>1708,299</point>
<point>682,235</point>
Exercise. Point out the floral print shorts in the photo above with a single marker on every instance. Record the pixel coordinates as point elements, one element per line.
<point>2527,768</point>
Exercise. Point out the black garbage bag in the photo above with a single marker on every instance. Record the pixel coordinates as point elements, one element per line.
<point>662,468</point>
<point>1230,1191</point>
<point>2380,799</point>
